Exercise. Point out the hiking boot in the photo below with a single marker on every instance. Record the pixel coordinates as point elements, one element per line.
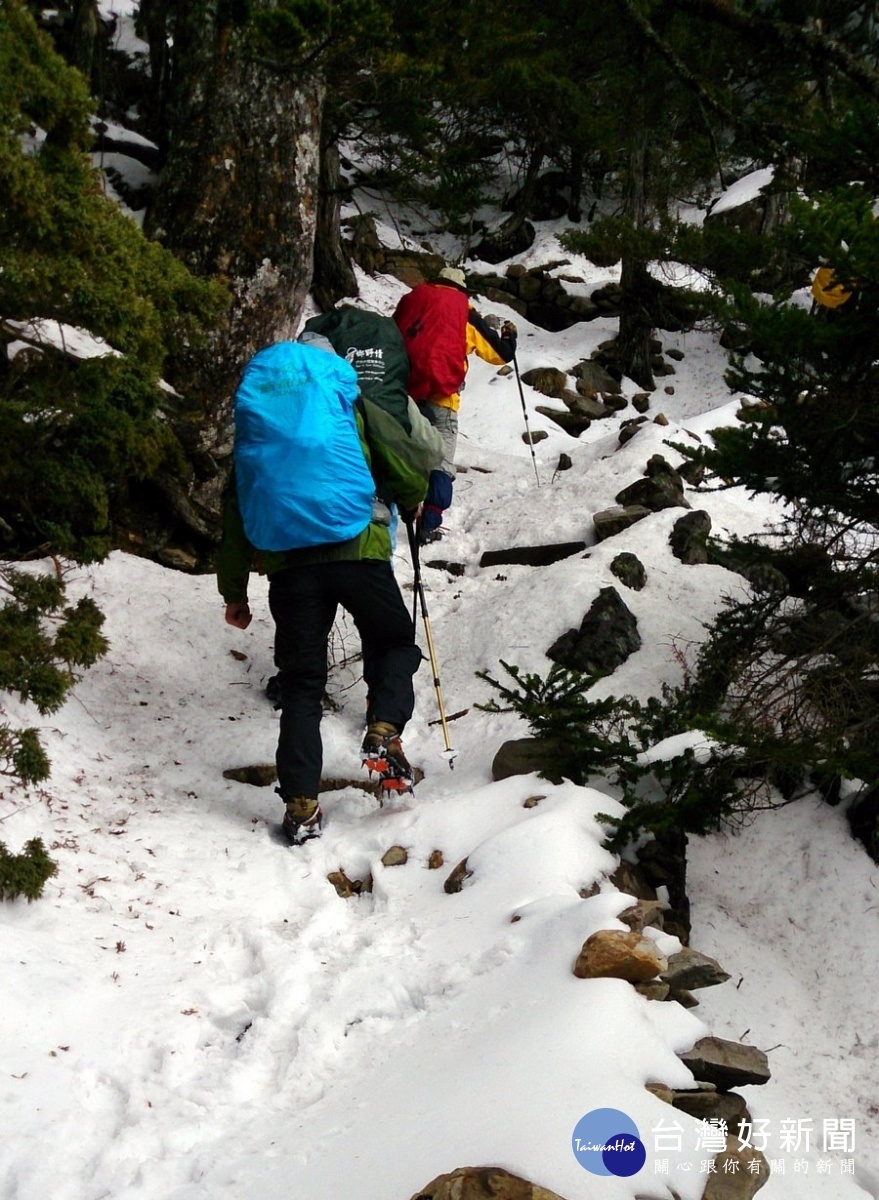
<point>302,820</point>
<point>382,753</point>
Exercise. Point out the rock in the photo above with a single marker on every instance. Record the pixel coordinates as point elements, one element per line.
<point>863,819</point>
<point>683,997</point>
<point>346,887</point>
<point>613,954</point>
<point>641,914</point>
<point>586,406</point>
<point>565,463</point>
<point>455,881</point>
<point>395,856</point>
<point>641,402</point>
<point>734,1177</point>
<point>593,379</point>
<point>531,439</point>
<point>652,990</point>
<point>628,429</point>
<point>629,570</point>
<point>549,381</point>
<point>257,775</point>
<point>727,1064</point>
<point>436,860</point>
<point>483,1183</point>
<point>532,556</point>
<point>690,969</point>
<point>611,521</point>
<point>707,1104</point>
<point>572,423</point>
<point>523,756</point>
<point>689,538</point>
<point>607,636</point>
<point>655,494</point>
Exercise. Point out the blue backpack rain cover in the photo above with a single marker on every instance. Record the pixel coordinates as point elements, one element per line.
<point>300,473</point>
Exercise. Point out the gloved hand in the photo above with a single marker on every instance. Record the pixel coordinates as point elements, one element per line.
<point>410,515</point>
<point>508,330</point>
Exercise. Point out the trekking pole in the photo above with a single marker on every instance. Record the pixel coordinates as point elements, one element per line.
<point>419,590</point>
<point>527,426</point>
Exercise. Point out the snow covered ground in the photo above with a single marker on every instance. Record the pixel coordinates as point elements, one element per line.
<point>192,1011</point>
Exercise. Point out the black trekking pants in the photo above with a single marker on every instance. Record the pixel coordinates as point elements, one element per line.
<point>304,601</point>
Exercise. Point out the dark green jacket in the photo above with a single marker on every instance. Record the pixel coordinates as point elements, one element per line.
<point>400,463</point>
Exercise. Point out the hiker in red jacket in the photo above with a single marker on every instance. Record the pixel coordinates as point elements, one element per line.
<point>441,328</point>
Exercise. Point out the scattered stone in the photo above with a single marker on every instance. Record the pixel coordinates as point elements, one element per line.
<point>607,636</point>
<point>652,990</point>
<point>549,381</point>
<point>257,775</point>
<point>532,556</point>
<point>727,1064</point>
<point>565,463</point>
<point>611,521</point>
<point>707,1104</point>
<point>683,997</point>
<point>863,819</point>
<point>346,887</point>
<point>689,538</point>
<point>690,969</point>
<point>628,429</point>
<point>629,570</point>
<point>395,856</point>
<point>586,406</point>
<point>483,1183</point>
<point>734,1177</point>
<point>612,954</point>
<point>641,914</point>
<point>443,564</point>
<point>593,379</point>
<point>657,493</point>
<point>641,402</point>
<point>572,423</point>
<point>436,860</point>
<point>691,471</point>
<point>531,439</point>
<point>455,881</point>
<point>524,756</point>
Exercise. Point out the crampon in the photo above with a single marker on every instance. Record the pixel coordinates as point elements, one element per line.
<point>382,755</point>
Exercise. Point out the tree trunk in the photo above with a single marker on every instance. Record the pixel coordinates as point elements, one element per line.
<point>238,195</point>
<point>334,276</point>
<point>636,322</point>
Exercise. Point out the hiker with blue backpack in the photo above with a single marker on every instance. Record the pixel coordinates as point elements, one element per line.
<point>317,463</point>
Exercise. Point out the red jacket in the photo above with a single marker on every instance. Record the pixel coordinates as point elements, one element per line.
<point>440,329</point>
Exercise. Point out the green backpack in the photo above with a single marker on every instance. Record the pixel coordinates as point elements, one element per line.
<point>374,347</point>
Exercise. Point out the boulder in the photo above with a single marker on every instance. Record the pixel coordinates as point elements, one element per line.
<point>611,521</point>
<point>607,636</point>
<point>689,538</point>
<point>690,969</point>
<point>532,556</point>
<point>483,1183</point>
<point>629,570</point>
<point>615,954</point>
<point>734,1176</point>
<point>523,756</point>
<point>727,1064</point>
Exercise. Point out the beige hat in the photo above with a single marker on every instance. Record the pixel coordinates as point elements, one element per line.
<point>454,275</point>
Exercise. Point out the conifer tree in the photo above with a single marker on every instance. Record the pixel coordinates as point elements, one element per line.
<point>78,427</point>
